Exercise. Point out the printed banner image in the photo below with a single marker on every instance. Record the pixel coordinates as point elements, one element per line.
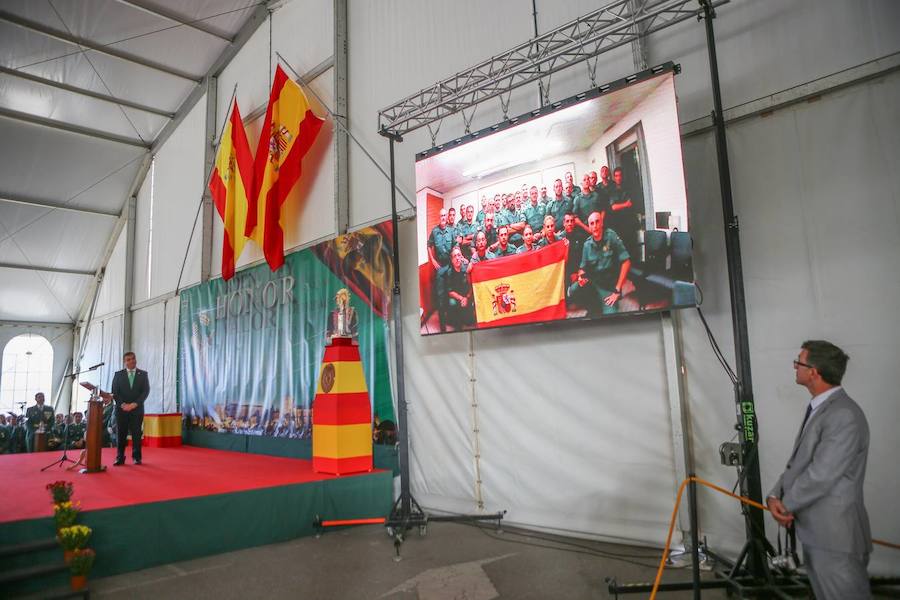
<point>250,349</point>
<point>576,211</point>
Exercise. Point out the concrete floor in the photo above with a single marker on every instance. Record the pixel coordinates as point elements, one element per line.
<point>452,561</point>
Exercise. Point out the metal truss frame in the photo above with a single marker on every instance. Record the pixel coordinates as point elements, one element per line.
<point>615,24</point>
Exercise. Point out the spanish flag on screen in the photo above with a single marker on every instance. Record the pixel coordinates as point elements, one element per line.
<point>230,185</point>
<point>523,288</point>
<point>289,129</point>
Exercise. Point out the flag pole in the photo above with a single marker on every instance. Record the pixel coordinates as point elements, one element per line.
<point>205,186</point>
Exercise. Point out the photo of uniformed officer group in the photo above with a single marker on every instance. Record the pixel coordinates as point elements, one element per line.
<point>601,182</point>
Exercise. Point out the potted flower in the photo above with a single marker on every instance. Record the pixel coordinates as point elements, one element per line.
<point>61,491</point>
<point>80,566</point>
<point>65,514</point>
<point>74,537</point>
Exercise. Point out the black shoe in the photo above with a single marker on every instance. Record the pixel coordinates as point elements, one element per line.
<point>137,461</point>
<point>119,462</point>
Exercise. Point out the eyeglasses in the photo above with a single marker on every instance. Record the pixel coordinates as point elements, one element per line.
<point>797,363</point>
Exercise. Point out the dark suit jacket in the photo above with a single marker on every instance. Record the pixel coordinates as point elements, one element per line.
<point>823,481</point>
<point>124,393</point>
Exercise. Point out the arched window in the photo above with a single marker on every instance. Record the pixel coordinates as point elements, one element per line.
<point>27,370</point>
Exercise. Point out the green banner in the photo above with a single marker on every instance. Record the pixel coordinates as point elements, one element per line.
<point>250,348</point>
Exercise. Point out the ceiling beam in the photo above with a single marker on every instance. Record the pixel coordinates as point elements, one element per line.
<point>57,206</point>
<point>156,11</point>
<point>63,126</point>
<point>34,324</point>
<point>20,267</point>
<point>85,92</point>
<point>256,18</point>
<point>67,38</point>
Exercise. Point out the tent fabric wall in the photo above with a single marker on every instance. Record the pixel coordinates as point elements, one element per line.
<point>155,344</point>
<point>818,200</point>
<point>814,186</point>
<point>103,345</point>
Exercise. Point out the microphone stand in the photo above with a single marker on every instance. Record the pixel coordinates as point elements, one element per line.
<point>65,455</point>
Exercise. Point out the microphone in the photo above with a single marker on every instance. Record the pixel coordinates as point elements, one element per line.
<point>97,366</point>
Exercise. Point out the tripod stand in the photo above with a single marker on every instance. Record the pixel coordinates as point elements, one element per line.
<point>65,456</point>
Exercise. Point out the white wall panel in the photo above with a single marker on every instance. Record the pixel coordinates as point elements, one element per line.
<point>111,296</point>
<point>155,334</point>
<point>818,204</point>
<point>178,189</point>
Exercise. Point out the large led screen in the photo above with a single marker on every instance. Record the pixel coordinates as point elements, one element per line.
<point>574,211</point>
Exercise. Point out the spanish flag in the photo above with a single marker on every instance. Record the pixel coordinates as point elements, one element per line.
<point>290,128</point>
<point>523,288</point>
<point>230,184</point>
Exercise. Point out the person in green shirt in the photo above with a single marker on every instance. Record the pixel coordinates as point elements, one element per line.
<point>503,247</point>
<point>586,203</point>
<point>35,416</point>
<point>440,242</point>
<point>5,435</point>
<point>569,180</point>
<point>465,231</point>
<point>459,305</point>
<point>559,205</point>
<point>481,249</point>
<point>76,432</point>
<point>17,444</point>
<point>489,229</point>
<point>57,433</point>
<point>603,270</point>
<point>534,213</point>
<point>527,241</point>
<point>549,234</point>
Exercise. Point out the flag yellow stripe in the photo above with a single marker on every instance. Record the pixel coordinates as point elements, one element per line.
<point>288,112</point>
<point>162,426</point>
<point>532,290</point>
<point>342,441</point>
<point>236,196</point>
<point>348,378</point>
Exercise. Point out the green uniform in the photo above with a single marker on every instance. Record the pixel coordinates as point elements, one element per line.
<point>601,262</point>
<point>17,442</point>
<point>57,436</point>
<point>34,416</point>
<point>559,235</point>
<point>500,252</point>
<point>466,229</point>
<point>76,432</point>
<point>534,216</point>
<point>477,259</point>
<point>585,204</point>
<point>490,235</point>
<point>559,208</point>
<point>455,314</point>
<point>479,218</point>
<point>523,249</point>
<point>442,241</point>
<point>5,436</point>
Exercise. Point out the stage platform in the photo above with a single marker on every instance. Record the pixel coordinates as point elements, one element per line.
<point>183,503</point>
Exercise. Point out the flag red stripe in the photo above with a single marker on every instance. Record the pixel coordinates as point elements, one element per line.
<point>548,313</point>
<point>219,193</point>
<point>519,263</point>
<point>291,168</point>
<point>241,147</point>
<point>262,152</point>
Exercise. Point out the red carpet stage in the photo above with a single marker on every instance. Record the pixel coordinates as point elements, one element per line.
<point>183,503</point>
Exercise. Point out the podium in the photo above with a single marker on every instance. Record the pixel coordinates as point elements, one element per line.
<point>40,440</point>
<point>342,414</point>
<point>94,437</point>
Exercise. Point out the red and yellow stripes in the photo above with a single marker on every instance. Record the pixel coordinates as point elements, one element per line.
<point>525,288</point>
<point>230,185</point>
<point>288,132</point>
<point>162,430</point>
<point>342,418</point>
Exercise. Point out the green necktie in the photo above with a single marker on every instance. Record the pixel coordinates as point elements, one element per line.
<point>131,378</point>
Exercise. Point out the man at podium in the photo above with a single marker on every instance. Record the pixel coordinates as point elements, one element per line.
<point>130,387</point>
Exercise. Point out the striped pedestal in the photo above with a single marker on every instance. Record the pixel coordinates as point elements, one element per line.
<point>342,417</point>
<point>162,430</point>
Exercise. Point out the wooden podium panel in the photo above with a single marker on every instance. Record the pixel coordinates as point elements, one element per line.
<point>94,437</point>
<point>40,441</point>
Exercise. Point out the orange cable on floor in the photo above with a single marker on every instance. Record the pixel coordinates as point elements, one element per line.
<point>662,561</point>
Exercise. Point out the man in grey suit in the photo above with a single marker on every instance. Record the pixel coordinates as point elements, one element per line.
<point>821,489</point>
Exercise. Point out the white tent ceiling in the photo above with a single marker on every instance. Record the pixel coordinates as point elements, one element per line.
<point>88,89</point>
